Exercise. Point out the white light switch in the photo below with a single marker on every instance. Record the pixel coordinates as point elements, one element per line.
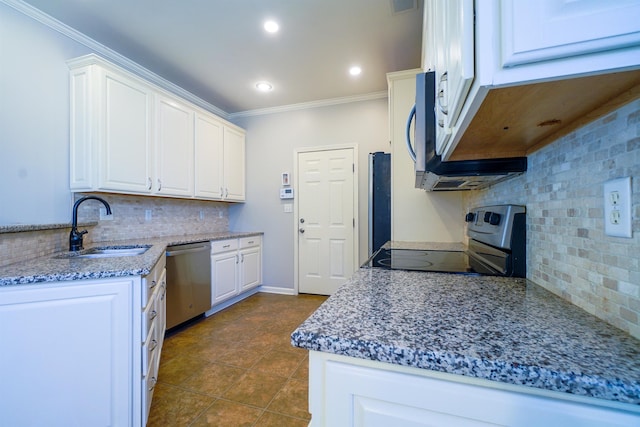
<point>617,207</point>
<point>288,207</point>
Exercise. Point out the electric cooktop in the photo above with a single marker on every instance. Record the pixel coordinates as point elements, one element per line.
<point>496,247</point>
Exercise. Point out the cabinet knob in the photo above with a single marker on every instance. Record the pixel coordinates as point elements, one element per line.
<point>301,230</point>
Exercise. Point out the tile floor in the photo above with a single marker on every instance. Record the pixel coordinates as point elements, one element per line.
<point>237,367</point>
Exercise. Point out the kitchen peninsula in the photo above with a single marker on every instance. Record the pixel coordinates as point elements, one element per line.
<point>405,347</point>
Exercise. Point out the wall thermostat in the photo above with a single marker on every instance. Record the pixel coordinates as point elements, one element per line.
<point>286,193</point>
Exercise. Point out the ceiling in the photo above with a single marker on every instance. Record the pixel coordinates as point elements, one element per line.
<point>218,49</point>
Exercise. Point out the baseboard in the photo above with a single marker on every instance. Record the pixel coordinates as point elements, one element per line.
<point>277,290</point>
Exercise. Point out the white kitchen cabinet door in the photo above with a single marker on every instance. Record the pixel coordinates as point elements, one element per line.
<point>224,276</point>
<point>453,59</point>
<point>354,392</point>
<point>208,157</point>
<point>125,134</point>
<point>544,30</point>
<point>234,164</point>
<point>174,148</point>
<point>250,263</point>
<point>66,354</point>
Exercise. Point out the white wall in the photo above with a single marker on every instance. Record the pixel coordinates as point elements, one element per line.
<point>34,121</point>
<point>271,141</point>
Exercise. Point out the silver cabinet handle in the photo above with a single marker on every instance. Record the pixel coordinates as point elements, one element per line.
<point>153,345</point>
<point>241,257</point>
<point>221,192</point>
<point>153,284</point>
<point>226,193</point>
<point>154,314</point>
<point>154,380</point>
<point>149,184</point>
<point>237,259</point>
<point>159,185</point>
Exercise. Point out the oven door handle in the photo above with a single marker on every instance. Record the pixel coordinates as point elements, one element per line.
<point>412,153</point>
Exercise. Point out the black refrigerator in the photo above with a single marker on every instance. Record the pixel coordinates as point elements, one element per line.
<point>379,200</point>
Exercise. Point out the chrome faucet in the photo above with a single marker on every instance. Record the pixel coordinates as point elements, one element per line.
<point>75,237</point>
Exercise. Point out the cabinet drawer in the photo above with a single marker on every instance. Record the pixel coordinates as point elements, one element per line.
<point>151,280</point>
<point>248,242</point>
<point>149,314</point>
<point>148,385</point>
<point>149,349</point>
<point>224,246</point>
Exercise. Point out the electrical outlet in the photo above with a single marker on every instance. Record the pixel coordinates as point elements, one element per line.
<point>104,216</point>
<point>617,207</point>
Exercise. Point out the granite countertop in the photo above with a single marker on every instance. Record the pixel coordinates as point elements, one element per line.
<point>61,267</point>
<point>495,328</point>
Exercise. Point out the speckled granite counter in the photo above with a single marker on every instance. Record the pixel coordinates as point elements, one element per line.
<point>55,268</point>
<point>499,329</point>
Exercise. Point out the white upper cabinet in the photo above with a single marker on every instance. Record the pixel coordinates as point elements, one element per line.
<point>551,29</point>
<point>451,23</point>
<point>234,164</point>
<point>129,136</point>
<point>111,135</point>
<point>209,157</point>
<point>533,61</point>
<point>174,147</point>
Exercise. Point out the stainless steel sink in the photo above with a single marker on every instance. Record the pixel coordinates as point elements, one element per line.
<point>107,252</point>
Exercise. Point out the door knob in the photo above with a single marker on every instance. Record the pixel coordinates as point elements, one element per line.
<point>301,230</point>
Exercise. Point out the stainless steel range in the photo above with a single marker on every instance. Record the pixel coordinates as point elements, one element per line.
<point>497,246</point>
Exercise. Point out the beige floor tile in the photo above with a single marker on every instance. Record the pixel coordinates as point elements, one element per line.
<point>255,388</point>
<point>225,369</point>
<point>270,419</point>
<point>292,400</point>
<point>281,363</point>
<point>176,407</point>
<point>179,368</point>
<point>213,379</point>
<point>228,414</point>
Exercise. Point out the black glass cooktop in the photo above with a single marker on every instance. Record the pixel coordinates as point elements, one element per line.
<point>426,260</point>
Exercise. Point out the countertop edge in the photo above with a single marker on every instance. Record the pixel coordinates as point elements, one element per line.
<point>48,268</point>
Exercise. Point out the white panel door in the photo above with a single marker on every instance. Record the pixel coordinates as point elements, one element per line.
<point>174,148</point>
<point>126,135</point>
<point>543,30</point>
<point>234,165</point>
<point>208,157</point>
<point>66,354</point>
<point>326,218</point>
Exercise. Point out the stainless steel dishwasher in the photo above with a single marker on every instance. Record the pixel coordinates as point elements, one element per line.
<point>188,281</point>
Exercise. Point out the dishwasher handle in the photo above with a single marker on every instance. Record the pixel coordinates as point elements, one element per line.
<point>174,252</point>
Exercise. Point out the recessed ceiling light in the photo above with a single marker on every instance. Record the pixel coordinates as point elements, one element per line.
<point>355,70</point>
<point>264,86</point>
<point>271,27</point>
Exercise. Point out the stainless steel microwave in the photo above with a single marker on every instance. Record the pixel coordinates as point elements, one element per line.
<point>434,174</point>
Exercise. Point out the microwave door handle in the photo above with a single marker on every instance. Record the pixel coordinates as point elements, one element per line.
<point>412,153</point>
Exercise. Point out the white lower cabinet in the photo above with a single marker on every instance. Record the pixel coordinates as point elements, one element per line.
<point>346,391</point>
<point>236,267</point>
<point>73,352</point>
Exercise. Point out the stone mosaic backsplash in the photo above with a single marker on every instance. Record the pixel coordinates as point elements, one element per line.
<point>133,217</point>
<point>568,252</point>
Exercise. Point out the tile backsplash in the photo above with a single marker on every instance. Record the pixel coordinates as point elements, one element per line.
<point>139,217</point>
<point>568,252</point>
<point>134,217</point>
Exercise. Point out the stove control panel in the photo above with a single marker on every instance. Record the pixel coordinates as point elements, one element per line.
<point>494,225</point>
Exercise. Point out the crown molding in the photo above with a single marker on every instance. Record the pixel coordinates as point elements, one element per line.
<point>111,55</point>
<point>311,104</point>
